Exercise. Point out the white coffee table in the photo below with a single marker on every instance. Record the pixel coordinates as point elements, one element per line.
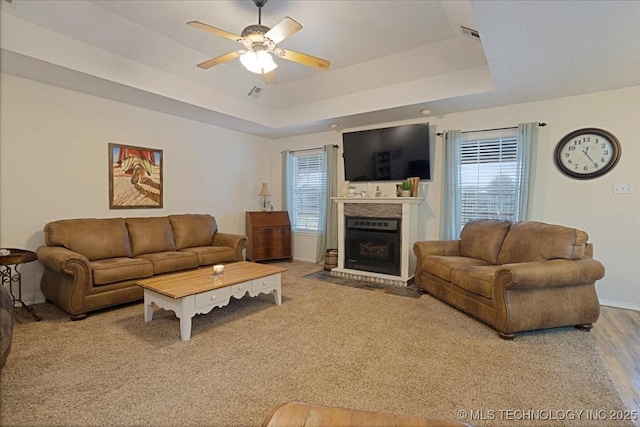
<point>194,292</point>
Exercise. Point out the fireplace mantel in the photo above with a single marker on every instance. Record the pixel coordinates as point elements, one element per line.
<point>408,212</point>
<point>383,200</point>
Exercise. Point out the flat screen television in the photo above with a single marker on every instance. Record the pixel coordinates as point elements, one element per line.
<point>387,154</point>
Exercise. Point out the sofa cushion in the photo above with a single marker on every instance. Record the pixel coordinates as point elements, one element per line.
<point>209,255</point>
<point>193,230</point>
<point>93,238</point>
<point>167,262</point>
<point>475,279</point>
<point>120,269</point>
<point>150,235</point>
<point>532,241</point>
<point>483,239</point>
<point>441,265</point>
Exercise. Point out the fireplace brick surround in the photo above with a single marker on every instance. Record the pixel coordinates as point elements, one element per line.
<point>403,208</point>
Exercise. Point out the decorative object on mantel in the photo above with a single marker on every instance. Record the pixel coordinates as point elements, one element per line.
<point>414,181</point>
<point>265,204</point>
<point>399,190</point>
<point>406,189</point>
<point>344,190</point>
<point>378,191</point>
<point>351,192</point>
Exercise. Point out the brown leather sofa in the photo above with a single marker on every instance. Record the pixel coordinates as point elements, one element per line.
<point>514,276</point>
<point>93,263</point>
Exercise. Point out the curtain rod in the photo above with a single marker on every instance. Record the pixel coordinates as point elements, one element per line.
<point>488,130</point>
<point>309,149</point>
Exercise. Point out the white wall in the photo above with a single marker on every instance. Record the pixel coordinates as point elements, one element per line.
<point>54,164</point>
<point>612,221</point>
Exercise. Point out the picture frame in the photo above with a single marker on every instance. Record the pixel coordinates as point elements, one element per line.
<point>135,177</point>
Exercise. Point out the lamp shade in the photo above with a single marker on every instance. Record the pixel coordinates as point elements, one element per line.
<point>264,191</point>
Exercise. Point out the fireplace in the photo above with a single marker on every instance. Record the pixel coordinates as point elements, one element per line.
<point>373,244</point>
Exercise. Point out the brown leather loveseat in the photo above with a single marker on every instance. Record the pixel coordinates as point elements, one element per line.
<point>514,276</point>
<point>93,263</point>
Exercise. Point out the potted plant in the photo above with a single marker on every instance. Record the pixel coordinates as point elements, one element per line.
<point>406,189</point>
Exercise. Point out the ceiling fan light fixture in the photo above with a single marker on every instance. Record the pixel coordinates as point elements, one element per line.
<point>259,62</point>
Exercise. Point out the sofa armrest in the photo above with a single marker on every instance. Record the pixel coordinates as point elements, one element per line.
<point>436,247</point>
<point>62,260</point>
<point>433,247</point>
<point>236,241</point>
<point>552,273</point>
<point>66,280</point>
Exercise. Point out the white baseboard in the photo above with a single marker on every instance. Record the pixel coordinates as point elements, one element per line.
<point>312,261</point>
<point>30,298</point>
<point>620,304</point>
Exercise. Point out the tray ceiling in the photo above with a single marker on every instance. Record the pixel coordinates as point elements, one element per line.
<point>389,59</point>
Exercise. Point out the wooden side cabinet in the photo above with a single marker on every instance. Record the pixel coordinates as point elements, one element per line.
<point>269,236</point>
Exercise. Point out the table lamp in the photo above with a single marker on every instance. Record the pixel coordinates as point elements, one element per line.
<point>264,194</point>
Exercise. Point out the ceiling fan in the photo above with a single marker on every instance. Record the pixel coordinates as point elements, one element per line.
<point>260,45</point>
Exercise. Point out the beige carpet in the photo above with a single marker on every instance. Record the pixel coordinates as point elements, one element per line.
<point>327,344</point>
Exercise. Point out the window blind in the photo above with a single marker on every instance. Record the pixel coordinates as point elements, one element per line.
<point>307,189</point>
<point>489,179</point>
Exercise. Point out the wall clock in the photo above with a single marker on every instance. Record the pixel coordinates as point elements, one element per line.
<point>587,153</point>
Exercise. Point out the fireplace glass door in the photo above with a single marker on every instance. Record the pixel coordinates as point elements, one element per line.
<point>373,244</point>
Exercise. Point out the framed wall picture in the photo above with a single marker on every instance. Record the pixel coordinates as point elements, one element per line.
<point>135,177</point>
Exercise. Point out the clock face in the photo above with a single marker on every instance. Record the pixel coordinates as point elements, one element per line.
<point>587,153</point>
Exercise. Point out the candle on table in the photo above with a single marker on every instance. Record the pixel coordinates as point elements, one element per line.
<point>218,270</point>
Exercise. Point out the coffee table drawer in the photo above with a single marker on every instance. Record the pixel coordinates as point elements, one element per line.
<point>239,289</point>
<point>212,297</point>
<point>265,282</point>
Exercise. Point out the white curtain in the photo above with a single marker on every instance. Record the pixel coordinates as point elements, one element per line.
<point>527,154</point>
<point>328,232</point>
<point>450,206</point>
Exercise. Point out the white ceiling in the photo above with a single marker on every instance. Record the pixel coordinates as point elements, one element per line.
<point>389,59</point>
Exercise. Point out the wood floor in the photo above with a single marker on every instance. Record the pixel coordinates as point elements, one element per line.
<point>617,334</point>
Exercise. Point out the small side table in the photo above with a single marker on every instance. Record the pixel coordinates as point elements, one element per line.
<point>11,275</point>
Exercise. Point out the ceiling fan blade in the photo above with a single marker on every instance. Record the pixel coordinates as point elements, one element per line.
<point>218,60</point>
<point>214,30</point>
<point>270,78</point>
<point>283,29</point>
<point>305,59</point>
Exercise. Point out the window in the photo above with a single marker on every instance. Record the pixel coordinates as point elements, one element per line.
<point>307,188</point>
<point>489,177</point>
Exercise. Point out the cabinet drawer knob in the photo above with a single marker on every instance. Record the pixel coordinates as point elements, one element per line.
<point>213,297</point>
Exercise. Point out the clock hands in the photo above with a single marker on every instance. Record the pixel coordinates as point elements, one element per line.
<point>588,156</point>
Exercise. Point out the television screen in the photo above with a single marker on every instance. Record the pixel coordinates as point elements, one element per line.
<point>387,154</point>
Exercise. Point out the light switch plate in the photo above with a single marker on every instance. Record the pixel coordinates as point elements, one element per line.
<point>622,188</point>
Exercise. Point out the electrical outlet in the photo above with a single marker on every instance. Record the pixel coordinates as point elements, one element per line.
<point>622,188</point>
